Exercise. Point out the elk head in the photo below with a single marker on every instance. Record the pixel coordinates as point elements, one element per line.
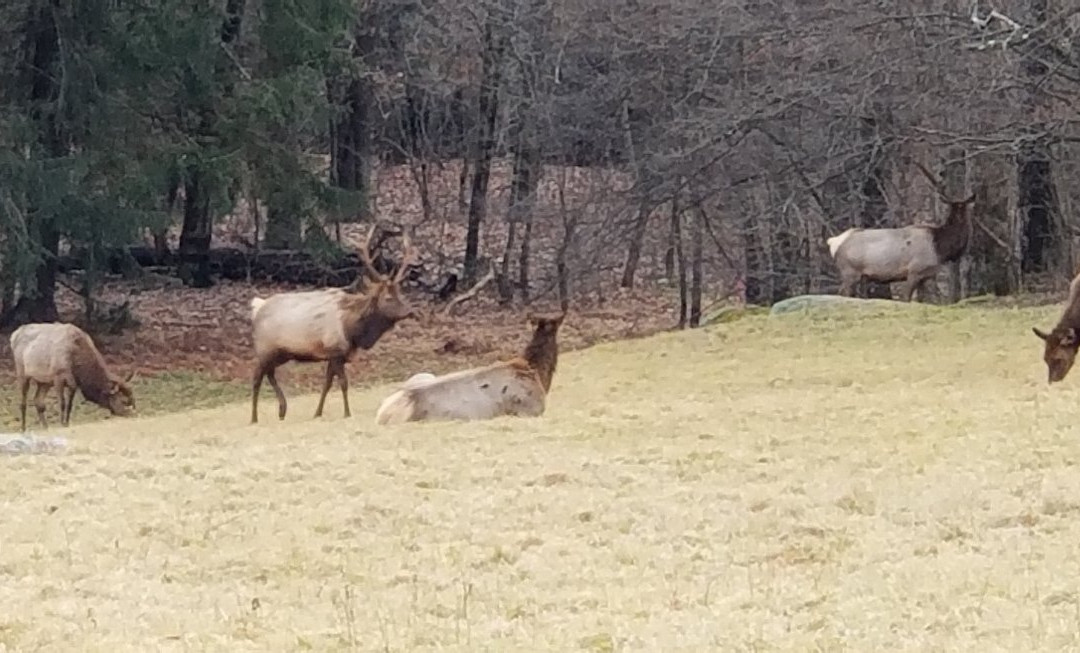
<point>1059,353</point>
<point>121,401</point>
<point>385,290</point>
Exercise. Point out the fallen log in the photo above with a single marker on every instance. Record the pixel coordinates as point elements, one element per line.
<point>289,267</point>
<point>234,264</point>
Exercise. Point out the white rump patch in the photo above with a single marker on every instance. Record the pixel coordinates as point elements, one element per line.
<point>256,304</point>
<point>835,242</point>
<point>418,380</point>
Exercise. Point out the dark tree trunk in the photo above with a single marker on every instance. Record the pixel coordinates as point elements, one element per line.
<point>39,305</point>
<point>755,263</point>
<point>633,251</point>
<point>523,262</point>
<point>488,107</point>
<point>197,229</point>
<point>1037,205</point>
<point>673,236</point>
<point>696,248</point>
<point>195,235</point>
<point>1042,245</point>
<point>684,295</point>
<point>352,143</point>
<point>526,176</point>
<point>283,228</point>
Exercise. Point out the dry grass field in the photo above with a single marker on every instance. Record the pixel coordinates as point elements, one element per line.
<point>895,481</point>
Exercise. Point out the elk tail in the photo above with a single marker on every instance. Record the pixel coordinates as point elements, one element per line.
<point>256,304</point>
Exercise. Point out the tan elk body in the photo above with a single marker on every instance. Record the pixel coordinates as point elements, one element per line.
<point>64,355</point>
<point>324,325</point>
<point>517,387</point>
<point>913,254</point>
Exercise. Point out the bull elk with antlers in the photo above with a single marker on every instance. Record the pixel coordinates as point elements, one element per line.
<point>325,325</point>
<point>912,254</point>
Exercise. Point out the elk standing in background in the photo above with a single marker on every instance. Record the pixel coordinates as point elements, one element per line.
<point>325,325</point>
<point>65,356</point>
<point>912,254</point>
<point>1059,353</point>
<point>518,386</point>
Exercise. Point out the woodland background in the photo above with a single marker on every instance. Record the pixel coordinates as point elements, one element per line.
<point>642,160</point>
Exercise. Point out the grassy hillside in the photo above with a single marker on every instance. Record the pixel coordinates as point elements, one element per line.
<point>897,480</point>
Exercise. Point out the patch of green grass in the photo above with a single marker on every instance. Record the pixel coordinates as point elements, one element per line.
<point>859,481</point>
<point>156,394</point>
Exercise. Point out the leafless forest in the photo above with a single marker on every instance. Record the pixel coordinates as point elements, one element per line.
<point>561,149</point>
<point>613,144</point>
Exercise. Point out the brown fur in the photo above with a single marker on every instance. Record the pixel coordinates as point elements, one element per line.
<point>952,238</point>
<point>65,356</point>
<point>323,325</point>
<point>1061,344</point>
<point>542,353</point>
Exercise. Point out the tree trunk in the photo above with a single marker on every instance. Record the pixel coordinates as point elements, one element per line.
<point>39,305</point>
<point>955,180</point>
<point>1042,242</point>
<point>351,145</point>
<point>197,229</point>
<point>696,254</point>
<point>673,236</point>
<point>527,167</point>
<point>494,45</point>
<point>283,229</point>
<point>676,228</point>
<point>523,261</point>
<point>196,232</point>
<point>633,252</point>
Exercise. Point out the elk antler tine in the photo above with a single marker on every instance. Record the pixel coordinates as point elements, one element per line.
<point>934,181</point>
<point>406,259</point>
<point>365,256</point>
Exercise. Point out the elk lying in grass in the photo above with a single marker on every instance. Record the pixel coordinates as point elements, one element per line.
<point>1059,352</point>
<point>325,325</point>
<point>912,254</point>
<point>518,386</point>
<point>65,356</point>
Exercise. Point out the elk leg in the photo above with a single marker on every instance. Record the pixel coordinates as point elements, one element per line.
<point>61,390</point>
<point>282,407</point>
<point>39,402</point>
<point>70,402</point>
<point>847,284</point>
<point>908,288</point>
<point>343,382</point>
<point>24,388</point>
<point>331,372</point>
<point>256,385</point>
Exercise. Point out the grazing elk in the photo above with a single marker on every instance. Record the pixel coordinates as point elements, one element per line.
<point>912,254</point>
<point>1059,353</point>
<point>65,356</point>
<point>325,325</point>
<point>518,386</point>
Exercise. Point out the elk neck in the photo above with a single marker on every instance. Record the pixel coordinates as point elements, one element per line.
<point>951,239</point>
<point>542,354</point>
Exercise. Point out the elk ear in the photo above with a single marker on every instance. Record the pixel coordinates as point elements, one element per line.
<point>1042,335</point>
<point>129,377</point>
<point>970,199</point>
